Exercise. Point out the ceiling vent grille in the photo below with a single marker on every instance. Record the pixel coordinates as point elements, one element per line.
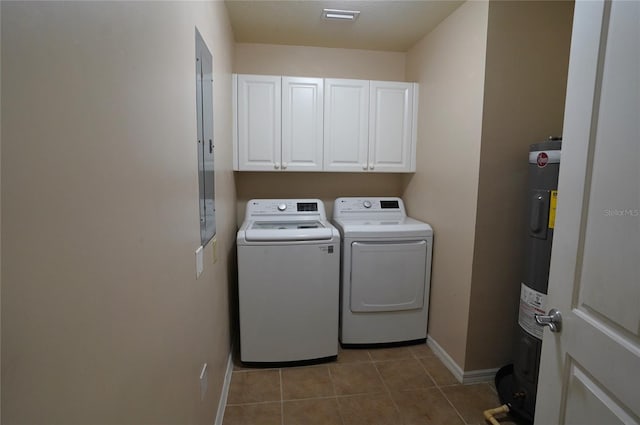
<point>340,15</point>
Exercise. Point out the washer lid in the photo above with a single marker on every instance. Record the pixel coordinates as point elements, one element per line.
<point>386,228</point>
<point>294,230</point>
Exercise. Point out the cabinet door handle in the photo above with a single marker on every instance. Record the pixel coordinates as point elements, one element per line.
<point>364,166</point>
<point>276,165</point>
<point>284,165</point>
<point>371,166</point>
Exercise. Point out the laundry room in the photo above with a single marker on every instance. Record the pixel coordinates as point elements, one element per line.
<point>116,308</point>
<point>483,99</point>
<point>480,106</point>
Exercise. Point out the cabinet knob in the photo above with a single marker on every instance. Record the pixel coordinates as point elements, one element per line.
<point>371,166</point>
<point>284,165</point>
<point>364,166</point>
<point>276,165</point>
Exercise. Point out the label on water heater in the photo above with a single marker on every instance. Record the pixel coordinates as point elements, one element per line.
<point>532,302</point>
<point>553,202</point>
<point>542,159</point>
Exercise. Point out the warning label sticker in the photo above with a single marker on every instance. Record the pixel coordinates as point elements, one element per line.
<point>531,303</point>
<point>552,209</point>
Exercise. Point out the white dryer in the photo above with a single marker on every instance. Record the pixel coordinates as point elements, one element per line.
<point>288,282</point>
<point>386,269</point>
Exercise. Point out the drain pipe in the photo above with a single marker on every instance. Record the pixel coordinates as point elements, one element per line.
<point>488,414</point>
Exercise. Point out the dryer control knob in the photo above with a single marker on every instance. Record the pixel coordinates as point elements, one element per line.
<point>282,207</point>
<point>367,204</point>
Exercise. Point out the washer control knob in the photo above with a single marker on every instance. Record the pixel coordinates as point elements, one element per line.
<point>282,207</point>
<point>366,204</point>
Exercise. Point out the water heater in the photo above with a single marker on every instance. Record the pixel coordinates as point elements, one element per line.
<point>517,384</point>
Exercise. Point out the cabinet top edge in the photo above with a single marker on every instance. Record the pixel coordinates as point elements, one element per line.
<point>236,74</point>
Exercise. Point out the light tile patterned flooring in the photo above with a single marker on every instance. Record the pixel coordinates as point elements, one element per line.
<point>387,386</point>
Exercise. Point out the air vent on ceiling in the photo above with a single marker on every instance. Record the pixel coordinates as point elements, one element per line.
<point>340,15</point>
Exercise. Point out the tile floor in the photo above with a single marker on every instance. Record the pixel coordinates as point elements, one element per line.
<point>388,386</point>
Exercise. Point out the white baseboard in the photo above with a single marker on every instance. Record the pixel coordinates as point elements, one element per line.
<point>440,353</point>
<point>222,403</point>
<point>468,377</point>
<point>480,375</point>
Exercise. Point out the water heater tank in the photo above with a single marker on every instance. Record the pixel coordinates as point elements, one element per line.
<point>517,386</point>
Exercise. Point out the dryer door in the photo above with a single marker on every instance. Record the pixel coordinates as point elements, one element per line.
<point>388,276</point>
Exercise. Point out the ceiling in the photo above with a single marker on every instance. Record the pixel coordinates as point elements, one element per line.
<point>391,25</point>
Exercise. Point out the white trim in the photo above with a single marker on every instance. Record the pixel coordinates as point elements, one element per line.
<point>480,375</point>
<point>222,403</point>
<point>468,377</point>
<point>414,128</point>
<point>446,358</point>
<point>234,125</point>
<point>554,156</point>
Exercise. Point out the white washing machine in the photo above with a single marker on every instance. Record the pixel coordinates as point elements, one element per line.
<point>386,269</point>
<point>288,282</point>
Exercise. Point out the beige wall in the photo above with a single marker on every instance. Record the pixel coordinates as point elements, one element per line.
<point>304,61</point>
<point>526,75</point>
<point>478,114</point>
<point>317,62</point>
<point>103,320</point>
<point>449,65</point>
<point>0,211</point>
<point>324,186</point>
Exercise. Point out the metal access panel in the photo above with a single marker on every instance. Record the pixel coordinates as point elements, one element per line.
<point>206,169</point>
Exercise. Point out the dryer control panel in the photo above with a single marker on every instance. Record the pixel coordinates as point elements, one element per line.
<point>347,206</point>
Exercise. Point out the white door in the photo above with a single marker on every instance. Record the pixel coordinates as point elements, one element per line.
<point>302,123</point>
<point>346,125</point>
<point>259,120</point>
<point>390,126</point>
<point>590,370</point>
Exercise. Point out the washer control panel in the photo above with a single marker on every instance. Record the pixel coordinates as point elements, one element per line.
<point>289,207</point>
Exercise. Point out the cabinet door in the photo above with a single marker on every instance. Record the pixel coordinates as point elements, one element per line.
<point>346,125</point>
<point>391,127</point>
<point>259,115</point>
<point>302,112</point>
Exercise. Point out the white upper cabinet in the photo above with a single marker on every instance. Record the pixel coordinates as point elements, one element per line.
<point>346,125</point>
<point>302,116</point>
<point>259,119</point>
<point>391,118</point>
<point>369,126</point>
<point>279,123</point>
<point>311,124</point>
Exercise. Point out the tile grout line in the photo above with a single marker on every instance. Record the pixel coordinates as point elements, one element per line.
<point>439,387</point>
<point>369,355</point>
<point>395,405</point>
<point>435,383</point>
<point>415,356</point>
<point>254,369</point>
<point>453,406</point>
<point>335,394</point>
<point>252,403</point>
<point>281,397</point>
